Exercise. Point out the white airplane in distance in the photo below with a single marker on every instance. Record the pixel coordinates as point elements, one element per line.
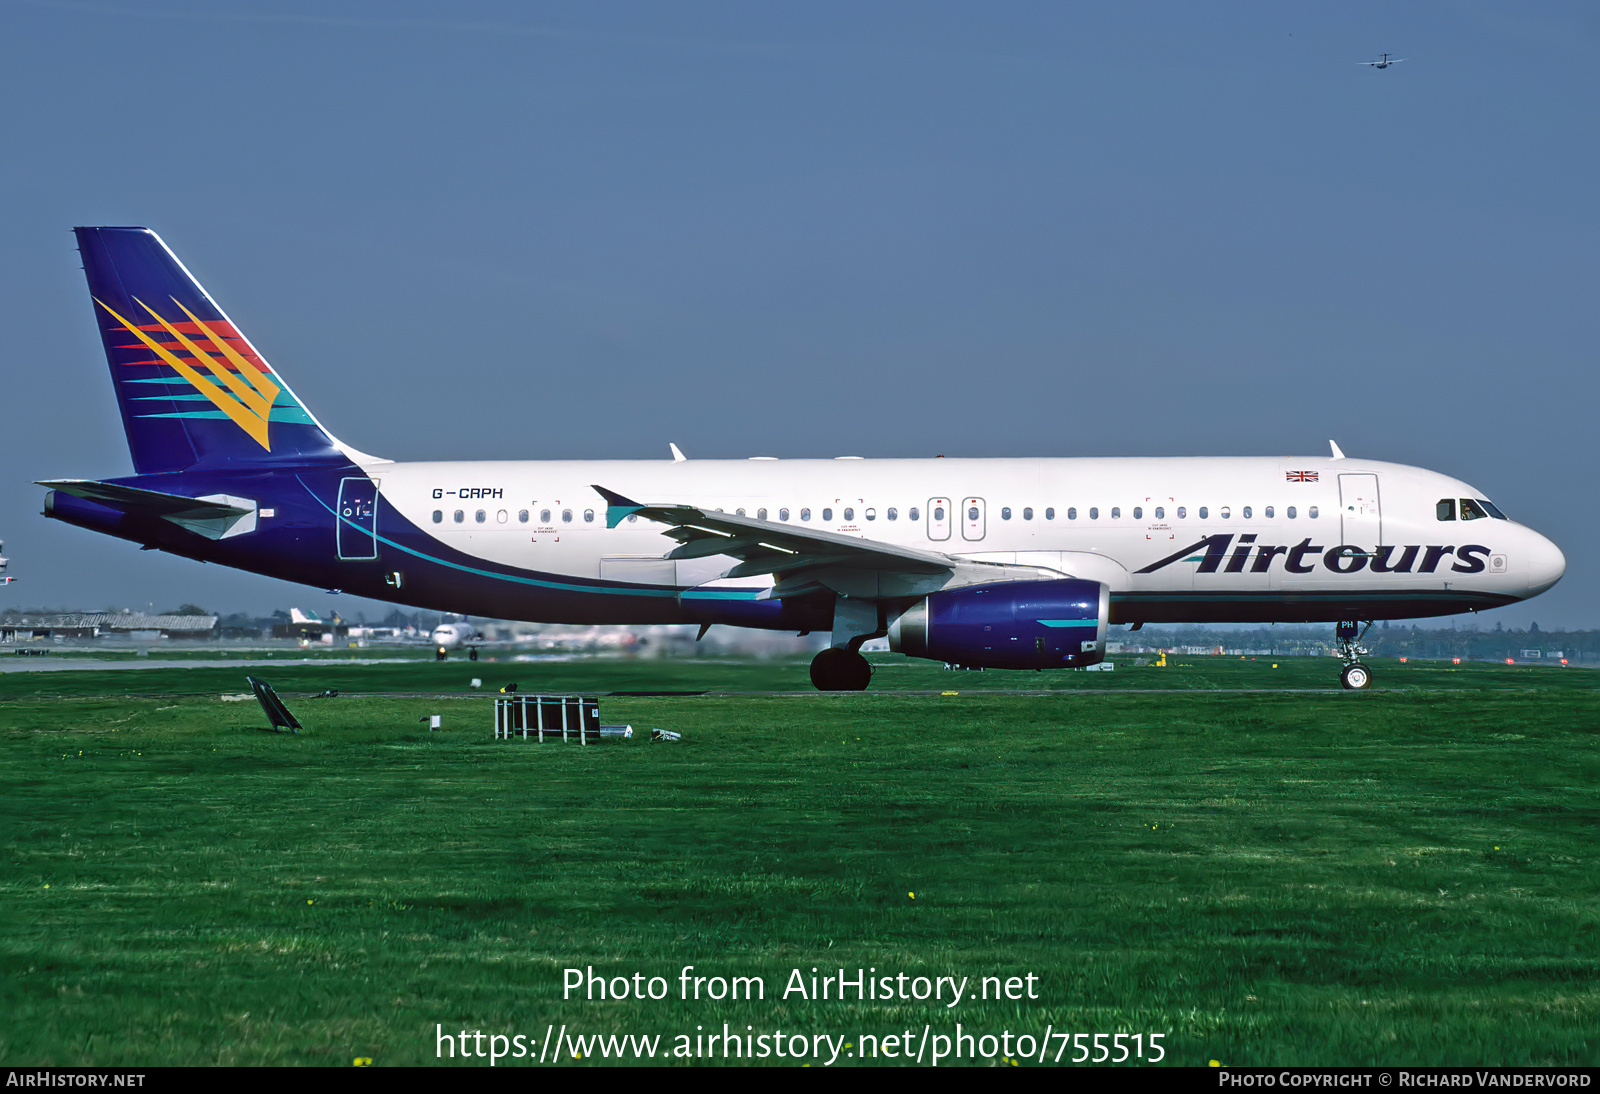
<point>1385,63</point>
<point>451,636</point>
<point>993,563</point>
<point>4,562</point>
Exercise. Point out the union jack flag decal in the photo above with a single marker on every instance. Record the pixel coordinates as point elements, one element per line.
<point>1300,476</point>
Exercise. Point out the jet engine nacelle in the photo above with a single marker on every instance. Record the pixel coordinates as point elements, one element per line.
<point>1011,625</point>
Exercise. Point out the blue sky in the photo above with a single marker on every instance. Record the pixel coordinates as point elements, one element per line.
<point>515,230</point>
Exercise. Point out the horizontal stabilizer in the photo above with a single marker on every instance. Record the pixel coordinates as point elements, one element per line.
<point>216,517</point>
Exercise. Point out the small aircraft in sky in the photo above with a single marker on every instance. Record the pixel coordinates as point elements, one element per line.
<point>1385,63</point>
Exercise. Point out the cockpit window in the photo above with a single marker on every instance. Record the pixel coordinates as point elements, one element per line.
<point>1446,509</point>
<point>1471,510</point>
<point>1493,512</point>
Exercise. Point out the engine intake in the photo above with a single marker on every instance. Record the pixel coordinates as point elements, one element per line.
<point>1010,625</point>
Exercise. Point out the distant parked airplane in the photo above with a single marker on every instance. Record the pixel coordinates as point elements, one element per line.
<point>1004,563</point>
<point>451,636</point>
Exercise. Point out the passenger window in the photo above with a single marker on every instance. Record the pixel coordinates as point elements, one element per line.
<point>460,516</point>
<point>1005,513</point>
<point>1094,512</point>
<point>566,515</point>
<point>1050,514</point>
<point>1116,512</point>
<point>805,514</point>
<point>1161,512</point>
<point>1291,512</point>
<point>738,512</point>
<point>972,513</point>
<point>1471,511</point>
<point>1183,512</point>
<point>871,514</point>
<point>522,515</point>
<point>1245,513</point>
<point>438,516</point>
<point>479,516</point>
<point>783,514</point>
<point>1072,514</point>
<point>1223,512</point>
<point>893,514</point>
<point>1203,512</point>
<point>849,514</point>
<point>938,512</point>
<point>1138,512</point>
<point>544,516</point>
<point>500,517</point>
<point>827,514</point>
<point>912,514</point>
<point>1312,512</point>
<point>588,516</point>
<point>1267,510</point>
<point>1027,514</point>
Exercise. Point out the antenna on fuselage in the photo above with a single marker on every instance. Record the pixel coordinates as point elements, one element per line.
<point>677,456</point>
<point>1333,444</point>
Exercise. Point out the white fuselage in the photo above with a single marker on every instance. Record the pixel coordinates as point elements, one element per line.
<point>1264,530</point>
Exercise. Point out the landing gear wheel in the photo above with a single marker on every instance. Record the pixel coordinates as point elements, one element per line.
<point>835,669</point>
<point>1355,676</point>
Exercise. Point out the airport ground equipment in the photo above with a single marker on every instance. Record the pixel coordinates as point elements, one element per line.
<point>277,713</point>
<point>541,717</point>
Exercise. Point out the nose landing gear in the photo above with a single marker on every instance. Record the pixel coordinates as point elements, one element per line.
<point>1354,676</point>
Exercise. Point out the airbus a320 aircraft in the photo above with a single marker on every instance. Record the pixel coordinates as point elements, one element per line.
<point>996,563</point>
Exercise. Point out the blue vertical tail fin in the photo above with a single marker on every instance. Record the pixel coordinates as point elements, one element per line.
<point>193,391</point>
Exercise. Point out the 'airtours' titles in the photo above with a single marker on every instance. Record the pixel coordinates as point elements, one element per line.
<point>1343,559</point>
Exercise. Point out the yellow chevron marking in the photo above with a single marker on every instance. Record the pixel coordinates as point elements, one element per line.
<point>250,416</point>
<point>257,397</point>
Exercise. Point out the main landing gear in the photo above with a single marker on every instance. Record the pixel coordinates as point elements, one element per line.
<point>841,667</point>
<point>836,669</point>
<point>1354,676</point>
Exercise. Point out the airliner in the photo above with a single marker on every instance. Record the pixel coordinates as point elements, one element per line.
<point>451,636</point>
<point>980,563</point>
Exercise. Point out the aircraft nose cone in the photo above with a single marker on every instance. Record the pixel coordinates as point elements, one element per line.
<point>1546,564</point>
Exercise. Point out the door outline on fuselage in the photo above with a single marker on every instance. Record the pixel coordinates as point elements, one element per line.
<point>1360,510</point>
<point>356,529</point>
<point>972,529</point>
<point>938,527</point>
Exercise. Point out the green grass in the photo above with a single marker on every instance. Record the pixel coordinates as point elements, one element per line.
<point>1401,876</point>
<point>893,673</point>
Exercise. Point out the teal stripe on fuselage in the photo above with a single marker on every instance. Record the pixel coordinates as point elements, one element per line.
<point>559,586</point>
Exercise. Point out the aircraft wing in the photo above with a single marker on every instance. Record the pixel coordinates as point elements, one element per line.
<point>804,559</point>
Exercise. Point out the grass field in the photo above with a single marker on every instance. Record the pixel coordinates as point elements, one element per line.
<point>1261,874</point>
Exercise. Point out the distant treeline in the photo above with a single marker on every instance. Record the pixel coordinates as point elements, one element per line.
<point>1384,640</point>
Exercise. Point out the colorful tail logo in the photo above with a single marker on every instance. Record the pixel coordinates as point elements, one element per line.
<point>247,389</point>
